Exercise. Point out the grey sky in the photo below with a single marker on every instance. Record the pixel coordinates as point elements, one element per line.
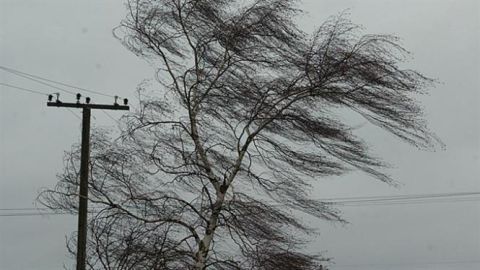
<point>71,41</point>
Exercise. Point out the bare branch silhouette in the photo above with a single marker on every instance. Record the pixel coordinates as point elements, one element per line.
<point>208,169</point>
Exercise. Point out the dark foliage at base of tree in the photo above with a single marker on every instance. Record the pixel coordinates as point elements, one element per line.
<point>209,170</point>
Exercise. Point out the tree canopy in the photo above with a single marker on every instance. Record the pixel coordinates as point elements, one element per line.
<point>243,121</point>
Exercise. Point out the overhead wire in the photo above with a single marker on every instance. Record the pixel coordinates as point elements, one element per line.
<point>409,196</point>
<point>400,199</point>
<point>15,71</point>
<point>407,202</point>
<point>31,214</point>
<point>72,112</point>
<point>39,211</point>
<point>40,80</point>
<point>35,92</point>
<point>411,263</point>
<point>110,116</point>
<point>23,89</point>
<point>386,200</point>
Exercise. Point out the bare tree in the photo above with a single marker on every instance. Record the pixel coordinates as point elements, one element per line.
<point>209,168</point>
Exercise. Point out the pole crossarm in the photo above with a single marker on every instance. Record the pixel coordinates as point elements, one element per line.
<point>88,106</point>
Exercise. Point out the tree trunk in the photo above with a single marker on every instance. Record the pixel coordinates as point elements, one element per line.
<point>204,246</point>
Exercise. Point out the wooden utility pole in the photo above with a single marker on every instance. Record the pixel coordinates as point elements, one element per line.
<point>85,156</point>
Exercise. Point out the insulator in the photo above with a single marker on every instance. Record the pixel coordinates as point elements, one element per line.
<point>125,101</point>
<point>50,97</point>
<point>87,100</point>
<point>78,96</point>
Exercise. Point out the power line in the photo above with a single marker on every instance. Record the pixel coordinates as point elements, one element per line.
<point>35,92</point>
<point>429,195</point>
<point>40,209</point>
<point>401,199</point>
<point>45,94</point>
<point>72,112</point>
<point>411,263</point>
<point>409,202</point>
<point>31,214</point>
<point>24,89</point>
<point>24,74</point>
<point>398,199</point>
<point>110,116</point>
<point>39,81</point>
<point>26,209</point>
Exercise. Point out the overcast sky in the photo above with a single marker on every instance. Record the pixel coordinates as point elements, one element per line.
<point>71,41</point>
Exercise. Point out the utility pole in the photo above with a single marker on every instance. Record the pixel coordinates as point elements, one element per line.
<point>85,156</point>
